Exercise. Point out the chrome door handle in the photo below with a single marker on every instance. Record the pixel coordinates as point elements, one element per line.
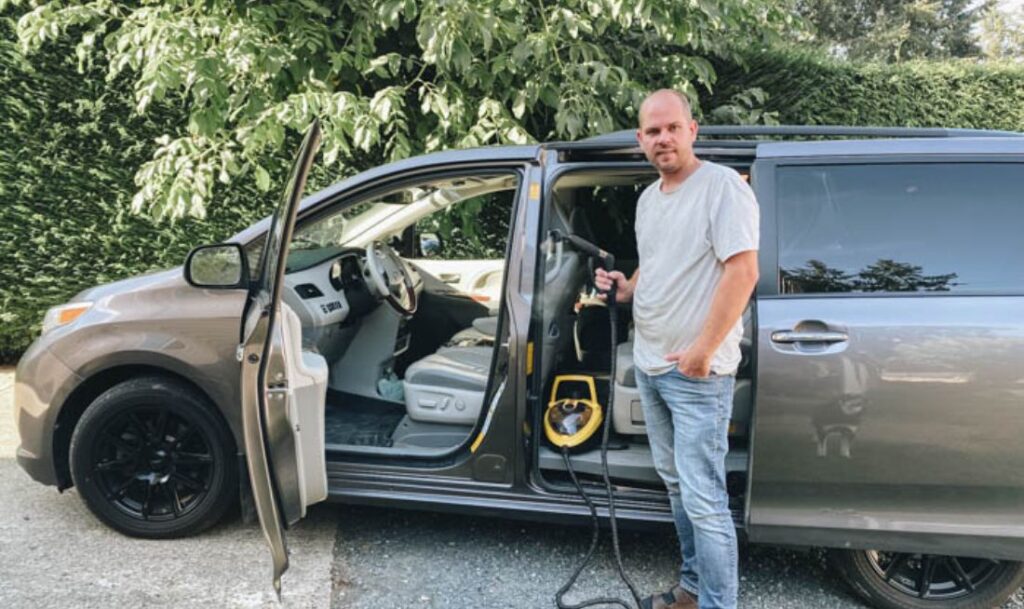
<point>789,336</point>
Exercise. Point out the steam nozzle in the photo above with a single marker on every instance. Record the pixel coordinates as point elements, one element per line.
<point>606,259</point>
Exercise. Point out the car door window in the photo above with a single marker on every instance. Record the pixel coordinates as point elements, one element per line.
<point>475,229</point>
<point>924,227</point>
<point>464,245</point>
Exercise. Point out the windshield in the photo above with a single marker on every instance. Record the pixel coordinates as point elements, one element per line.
<point>384,215</point>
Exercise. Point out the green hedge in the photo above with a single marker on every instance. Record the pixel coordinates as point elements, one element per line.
<point>70,149</point>
<point>804,88</point>
<point>71,144</point>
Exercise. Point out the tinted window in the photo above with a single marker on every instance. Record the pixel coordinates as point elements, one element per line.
<point>901,228</point>
<point>608,213</point>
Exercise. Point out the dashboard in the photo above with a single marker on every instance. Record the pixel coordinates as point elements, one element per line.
<point>330,292</point>
<point>334,291</point>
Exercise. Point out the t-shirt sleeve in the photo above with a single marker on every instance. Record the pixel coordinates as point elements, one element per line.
<point>735,222</point>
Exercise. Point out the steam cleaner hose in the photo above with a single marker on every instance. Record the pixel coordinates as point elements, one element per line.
<point>559,596</point>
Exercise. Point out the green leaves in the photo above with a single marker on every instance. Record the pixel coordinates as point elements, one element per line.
<point>71,147</point>
<point>388,78</point>
<point>179,109</point>
<point>897,30</point>
<point>800,87</point>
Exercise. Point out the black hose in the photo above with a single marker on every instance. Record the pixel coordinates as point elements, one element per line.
<point>613,317</point>
<point>614,320</point>
<point>603,600</point>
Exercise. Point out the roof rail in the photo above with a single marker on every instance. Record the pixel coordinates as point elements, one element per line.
<point>843,131</point>
<point>809,131</point>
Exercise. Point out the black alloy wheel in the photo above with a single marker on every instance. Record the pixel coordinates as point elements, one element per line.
<point>153,464</point>
<point>151,458</point>
<point>899,580</point>
<point>932,577</point>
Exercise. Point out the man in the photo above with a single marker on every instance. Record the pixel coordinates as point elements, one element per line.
<point>697,236</point>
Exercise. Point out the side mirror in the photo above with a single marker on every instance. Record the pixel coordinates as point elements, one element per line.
<point>430,244</point>
<point>217,266</point>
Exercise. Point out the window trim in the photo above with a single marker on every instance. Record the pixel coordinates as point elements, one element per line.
<point>770,285</point>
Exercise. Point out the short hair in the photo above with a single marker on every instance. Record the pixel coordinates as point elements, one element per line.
<point>685,101</point>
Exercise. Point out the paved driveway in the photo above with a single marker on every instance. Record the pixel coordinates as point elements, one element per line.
<point>53,553</point>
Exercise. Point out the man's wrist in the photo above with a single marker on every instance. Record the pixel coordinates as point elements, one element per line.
<point>702,351</point>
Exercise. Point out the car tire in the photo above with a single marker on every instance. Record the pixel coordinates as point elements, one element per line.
<point>891,580</point>
<point>152,458</point>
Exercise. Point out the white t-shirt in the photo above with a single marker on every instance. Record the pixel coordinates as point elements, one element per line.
<point>684,237</point>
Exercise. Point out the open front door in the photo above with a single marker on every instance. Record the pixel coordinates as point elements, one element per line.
<point>286,475</point>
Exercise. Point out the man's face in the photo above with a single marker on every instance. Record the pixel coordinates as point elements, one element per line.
<point>666,133</point>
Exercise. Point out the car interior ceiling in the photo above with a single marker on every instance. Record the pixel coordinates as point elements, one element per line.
<point>450,344</point>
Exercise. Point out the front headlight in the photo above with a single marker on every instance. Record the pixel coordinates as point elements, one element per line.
<point>64,314</point>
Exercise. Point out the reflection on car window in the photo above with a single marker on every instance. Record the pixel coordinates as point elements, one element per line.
<point>926,227</point>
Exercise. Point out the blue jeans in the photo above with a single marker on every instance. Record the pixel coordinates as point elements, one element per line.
<point>687,421</point>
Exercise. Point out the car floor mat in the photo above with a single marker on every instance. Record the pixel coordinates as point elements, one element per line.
<point>355,420</point>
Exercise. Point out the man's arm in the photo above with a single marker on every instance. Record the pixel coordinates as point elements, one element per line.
<point>731,296</point>
<point>624,287</point>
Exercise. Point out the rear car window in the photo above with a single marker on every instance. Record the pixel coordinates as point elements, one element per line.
<point>924,227</point>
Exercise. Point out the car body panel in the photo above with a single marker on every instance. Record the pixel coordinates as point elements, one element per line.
<point>156,322</point>
<point>41,380</point>
<point>164,323</point>
<point>891,148</point>
<point>902,436</point>
<point>908,426</point>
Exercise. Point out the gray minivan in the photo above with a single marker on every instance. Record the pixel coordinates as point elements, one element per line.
<point>338,351</point>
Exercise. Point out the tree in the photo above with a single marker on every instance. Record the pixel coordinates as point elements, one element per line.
<point>884,275</point>
<point>895,30</point>
<point>388,78</point>
<point>890,276</point>
<point>1002,34</point>
<point>816,277</point>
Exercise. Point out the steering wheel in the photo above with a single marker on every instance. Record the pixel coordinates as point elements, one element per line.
<point>390,278</point>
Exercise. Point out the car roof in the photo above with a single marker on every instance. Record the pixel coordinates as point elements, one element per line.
<point>949,146</point>
<point>753,134</point>
<point>730,143</point>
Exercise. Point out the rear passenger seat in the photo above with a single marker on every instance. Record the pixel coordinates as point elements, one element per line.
<point>628,417</point>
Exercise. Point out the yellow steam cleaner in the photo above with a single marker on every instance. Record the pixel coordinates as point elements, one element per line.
<point>570,421</point>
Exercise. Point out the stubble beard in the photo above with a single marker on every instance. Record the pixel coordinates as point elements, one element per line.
<point>668,166</point>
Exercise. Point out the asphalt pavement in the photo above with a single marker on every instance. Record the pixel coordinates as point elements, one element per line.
<point>54,553</point>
